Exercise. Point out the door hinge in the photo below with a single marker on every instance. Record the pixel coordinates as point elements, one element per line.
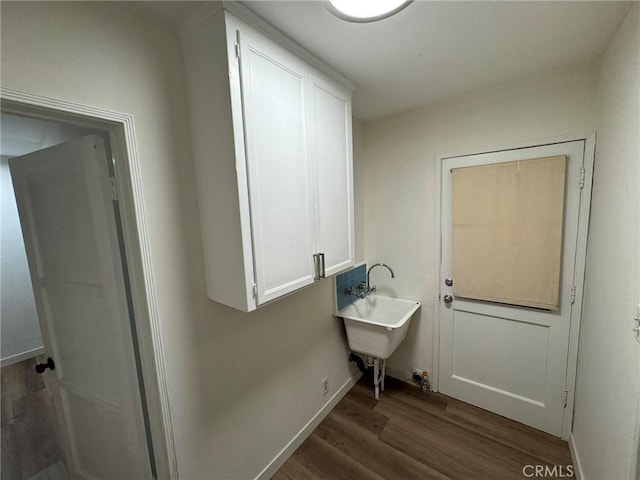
<point>237,49</point>
<point>255,290</point>
<point>573,295</point>
<point>583,174</point>
<point>565,398</point>
<point>113,189</point>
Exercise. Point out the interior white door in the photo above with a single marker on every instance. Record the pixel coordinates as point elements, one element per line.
<point>508,359</point>
<point>276,109</point>
<point>66,208</point>
<point>333,172</point>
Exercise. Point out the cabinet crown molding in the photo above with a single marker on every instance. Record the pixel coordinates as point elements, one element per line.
<point>202,14</point>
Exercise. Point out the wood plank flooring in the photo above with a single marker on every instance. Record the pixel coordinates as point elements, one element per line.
<point>31,447</point>
<point>406,435</point>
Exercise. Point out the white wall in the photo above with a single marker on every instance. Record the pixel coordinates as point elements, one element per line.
<point>608,383</point>
<point>400,184</point>
<point>240,385</point>
<point>19,329</point>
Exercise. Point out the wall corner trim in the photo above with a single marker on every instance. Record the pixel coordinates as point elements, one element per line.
<point>575,458</point>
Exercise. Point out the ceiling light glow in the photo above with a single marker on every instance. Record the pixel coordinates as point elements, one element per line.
<point>366,10</point>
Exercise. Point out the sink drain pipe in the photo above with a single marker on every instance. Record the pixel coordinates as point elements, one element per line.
<point>359,362</point>
<point>379,370</point>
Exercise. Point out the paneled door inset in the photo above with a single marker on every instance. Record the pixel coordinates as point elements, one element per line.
<point>504,331</point>
<point>279,166</point>
<point>65,201</point>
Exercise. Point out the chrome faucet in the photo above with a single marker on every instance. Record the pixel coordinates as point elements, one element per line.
<point>369,287</point>
<point>360,291</point>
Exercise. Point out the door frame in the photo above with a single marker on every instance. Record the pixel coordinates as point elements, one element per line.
<point>120,128</point>
<point>579,271</point>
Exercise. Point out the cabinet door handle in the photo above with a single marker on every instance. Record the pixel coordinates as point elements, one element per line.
<point>316,267</point>
<point>323,273</point>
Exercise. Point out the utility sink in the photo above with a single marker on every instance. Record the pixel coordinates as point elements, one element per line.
<point>377,324</point>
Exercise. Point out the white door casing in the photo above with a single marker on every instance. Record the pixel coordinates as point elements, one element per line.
<point>65,201</point>
<point>512,360</point>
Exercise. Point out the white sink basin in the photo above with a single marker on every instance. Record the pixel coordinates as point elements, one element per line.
<point>377,324</point>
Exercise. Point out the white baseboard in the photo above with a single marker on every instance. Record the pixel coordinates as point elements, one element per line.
<point>577,466</point>
<point>403,376</point>
<point>18,357</point>
<point>302,435</point>
<point>399,375</point>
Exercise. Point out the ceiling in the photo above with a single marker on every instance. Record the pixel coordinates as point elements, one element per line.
<point>434,50</point>
<point>22,135</point>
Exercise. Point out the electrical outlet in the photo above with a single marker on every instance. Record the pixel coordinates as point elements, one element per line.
<point>325,386</point>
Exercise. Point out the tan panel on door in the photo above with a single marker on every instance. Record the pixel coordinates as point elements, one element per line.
<point>507,231</point>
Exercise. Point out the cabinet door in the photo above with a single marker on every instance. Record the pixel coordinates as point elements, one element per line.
<point>276,109</point>
<point>333,171</point>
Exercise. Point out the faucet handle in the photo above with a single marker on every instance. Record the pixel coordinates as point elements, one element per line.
<point>361,286</point>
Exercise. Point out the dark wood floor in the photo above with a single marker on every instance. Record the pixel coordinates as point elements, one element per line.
<point>406,435</point>
<point>31,447</point>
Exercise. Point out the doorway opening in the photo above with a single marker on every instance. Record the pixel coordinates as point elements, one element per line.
<point>30,430</point>
<point>508,317</point>
<point>114,134</point>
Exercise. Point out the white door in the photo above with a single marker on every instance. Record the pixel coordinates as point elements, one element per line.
<point>333,171</point>
<point>66,209</point>
<point>511,360</point>
<point>276,109</point>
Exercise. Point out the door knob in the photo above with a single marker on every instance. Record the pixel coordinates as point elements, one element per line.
<point>448,299</point>
<point>41,367</point>
<point>448,282</point>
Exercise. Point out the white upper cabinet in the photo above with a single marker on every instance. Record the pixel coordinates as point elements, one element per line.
<point>276,119</point>
<point>273,161</point>
<point>333,173</point>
